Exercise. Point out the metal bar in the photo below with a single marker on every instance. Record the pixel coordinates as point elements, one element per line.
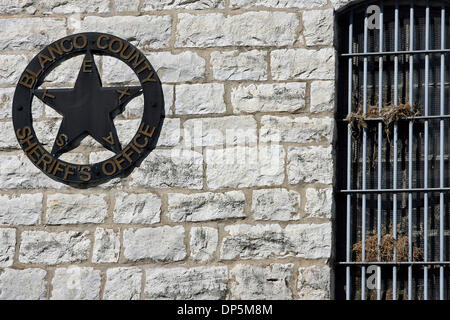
<point>349,159</point>
<point>442,163</point>
<point>398,263</point>
<point>364,166</point>
<point>391,53</point>
<point>410,147</point>
<point>417,190</point>
<point>437,117</point>
<point>395,178</point>
<point>380,147</point>
<point>426,146</point>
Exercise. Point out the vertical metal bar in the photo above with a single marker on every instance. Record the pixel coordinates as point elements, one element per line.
<point>441,170</point>
<point>349,158</point>
<point>364,166</point>
<point>410,140</point>
<point>380,148</point>
<point>395,180</point>
<point>426,147</point>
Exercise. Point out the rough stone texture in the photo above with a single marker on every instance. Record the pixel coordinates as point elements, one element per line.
<point>7,247</point>
<point>228,131</point>
<point>241,167</point>
<point>151,5</point>
<point>133,29</point>
<point>137,208</point>
<point>73,6</point>
<point>158,244</point>
<point>106,246</point>
<point>263,241</point>
<point>6,99</point>
<point>277,97</point>
<point>76,283</point>
<point>319,203</point>
<point>206,206</point>
<point>322,96</point>
<point>297,130</point>
<point>11,67</point>
<point>310,164</point>
<point>339,4</point>
<point>203,243</point>
<point>34,33</point>
<point>76,208</point>
<point>126,5</point>
<point>54,247</point>
<point>303,64</point>
<point>123,284</point>
<point>201,283</point>
<point>301,4</point>
<point>8,138</point>
<point>314,283</point>
<point>170,169</point>
<point>27,284</point>
<point>259,283</point>
<point>17,6</point>
<point>24,209</point>
<point>200,99</point>
<point>237,65</point>
<point>318,26</point>
<point>276,204</point>
<point>185,66</point>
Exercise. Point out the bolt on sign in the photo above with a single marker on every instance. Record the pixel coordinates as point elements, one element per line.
<point>88,109</point>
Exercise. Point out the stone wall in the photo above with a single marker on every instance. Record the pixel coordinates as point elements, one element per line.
<point>236,201</point>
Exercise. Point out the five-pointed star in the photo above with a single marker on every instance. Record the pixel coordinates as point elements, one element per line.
<point>87,109</point>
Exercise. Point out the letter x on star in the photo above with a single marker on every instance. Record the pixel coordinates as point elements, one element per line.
<point>87,109</point>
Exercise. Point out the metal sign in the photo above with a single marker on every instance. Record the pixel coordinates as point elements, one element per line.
<point>88,109</point>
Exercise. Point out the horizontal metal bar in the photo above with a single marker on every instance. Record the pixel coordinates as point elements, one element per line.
<point>438,117</point>
<point>390,53</point>
<point>376,191</point>
<point>393,263</point>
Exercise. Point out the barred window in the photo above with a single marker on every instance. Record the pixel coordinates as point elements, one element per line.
<point>393,181</point>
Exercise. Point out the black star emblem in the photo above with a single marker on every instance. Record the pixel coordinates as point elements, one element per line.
<point>87,109</point>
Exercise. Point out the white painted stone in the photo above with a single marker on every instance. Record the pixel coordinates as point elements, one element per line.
<point>261,283</point>
<point>206,206</point>
<point>137,208</point>
<point>76,208</point>
<point>314,283</point>
<point>296,130</point>
<point>174,168</point>
<point>301,4</point>
<point>322,96</point>
<point>318,27</point>
<point>123,284</point>
<point>11,67</point>
<point>126,5</point>
<point>200,99</point>
<point>73,6</point>
<point>152,5</point>
<point>277,97</point>
<point>242,167</point>
<point>34,33</point>
<point>200,283</point>
<point>46,131</point>
<point>24,209</point>
<point>131,28</point>
<point>229,131</point>
<point>106,246</point>
<point>7,247</point>
<point>319,203</point>
<point>6,100</point>
<point>247,29</point>
<point>158,244</point>
<point>303,64</point>
<point>276,204</point>
<point>26,284</point>
<point>310,164</point>
<point>236,65</point>
<point>185,66</point>
<point>65,74</point>
<point>307,241</point>
<point>8,138</point>
<point>41,247</point>
<point>76,283</point>
<point>203,243</point>
<point>18,7</point>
